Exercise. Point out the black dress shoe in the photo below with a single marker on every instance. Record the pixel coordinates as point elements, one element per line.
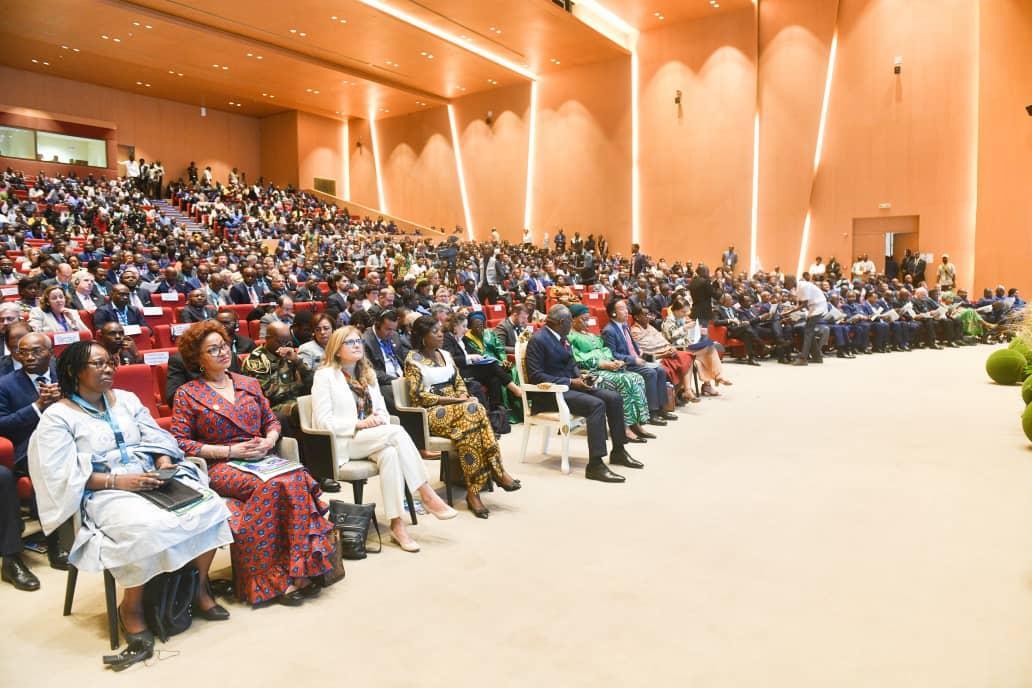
<point>311,590</point>
<point>482,512</point>
<point>597,470</point>
<point>752,362</point>
<point>329,485</point>
<point>214,613</point>
<point>15,572</point>
<point>656,420</point>
<point>293,598</point>
<point>620,457</point>
<point>643,434</point>
<point>635,440</point>
<point>666,415</point>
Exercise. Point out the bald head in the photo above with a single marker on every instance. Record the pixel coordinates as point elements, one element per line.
<point>559,319</point>
<point>277,334</point>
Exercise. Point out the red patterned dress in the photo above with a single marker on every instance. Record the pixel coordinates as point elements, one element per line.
<point>278,530</point>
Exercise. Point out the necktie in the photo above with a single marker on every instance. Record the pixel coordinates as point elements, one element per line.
<point>252,294</point>
<point>40,381</point>
<point>627,338</point>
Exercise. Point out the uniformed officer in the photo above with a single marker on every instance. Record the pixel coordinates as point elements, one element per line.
<point>282,375</point>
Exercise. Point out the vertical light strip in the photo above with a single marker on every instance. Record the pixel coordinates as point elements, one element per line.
<point>345,160</point>
<point>804,245</point>
<point>754,260</point>
<point>969,265</point>
<point>376,161</point>
<point>458,168</point>
<point>528,203</point>
<point>635,149</point>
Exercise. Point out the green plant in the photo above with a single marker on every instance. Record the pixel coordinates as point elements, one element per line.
<point>1026,421</point>
<point>1026,391</point>
<point>1006,366</point>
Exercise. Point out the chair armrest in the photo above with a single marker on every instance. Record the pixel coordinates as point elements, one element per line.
<point>545,387</point>
<point>414,420</point>
<point>199,462</point>
<point>287,448</point>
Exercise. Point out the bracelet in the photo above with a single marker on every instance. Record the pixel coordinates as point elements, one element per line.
<point>111,481</point>
<point>229,451</point>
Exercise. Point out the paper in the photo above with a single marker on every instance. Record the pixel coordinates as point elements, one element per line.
<point>890,315</point>
<point>266,468</point>
<point>170,296</point>
<point>132,330</point>
<point>61,338</point>
<point>155,357</point>
<point>835,314</point>
<point>179,328</point>
<point>988,308</point>
<point>9,290</point>
<point>153,310</point>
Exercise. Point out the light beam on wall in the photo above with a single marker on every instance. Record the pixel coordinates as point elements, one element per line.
<point>754,260</point>
<point>447,36</point>
<point>458,168</point>
<point>804,245</point>
<point>376,160</point>
<point>345,159</point>
<point>528,203</point>
<point>635,149</point>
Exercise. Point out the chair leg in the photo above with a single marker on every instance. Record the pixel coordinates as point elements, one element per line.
<point>73,576</point>
<point>411,506</point>
<point>526,441</point>
<point>447,479</point>
<point>544,440</point>
<point>112,608</point>
<point>566,454</point>
<point>357,487</point>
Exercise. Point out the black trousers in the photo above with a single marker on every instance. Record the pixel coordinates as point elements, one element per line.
<point>745,333</point>
<point>10,516</point>
<point>601,408</point>
<point>494,378</point>
<point>811,348</point>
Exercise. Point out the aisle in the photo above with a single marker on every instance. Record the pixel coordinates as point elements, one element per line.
<point>861,523</point>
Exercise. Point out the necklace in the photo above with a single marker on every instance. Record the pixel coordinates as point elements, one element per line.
<point>224,386</point>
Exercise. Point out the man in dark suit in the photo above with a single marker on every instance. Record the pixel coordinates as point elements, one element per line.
<point>703,290</point>
<point>466,297</point>
<point>550,359</point>
<point>247,291</point>
<point>338,297</point>
<point>238,342</point>
<point>617,336</point>
<point>387,353</point>
<point>729,259</point>
<point>509,329</point>
<point>119,310</point>
<point>24,395</point>
<point>197,308</point>
<point>171,282</point>
<point>739,326</point>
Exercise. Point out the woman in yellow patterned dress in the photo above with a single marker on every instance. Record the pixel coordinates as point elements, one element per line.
<point>434,384</point>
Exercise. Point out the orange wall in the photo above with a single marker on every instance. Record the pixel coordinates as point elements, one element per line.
<point>1004,238</point>
<point>909,140</point>
<point>174,133</point>
<point>320,150</point>
<point>279,148</point>
<point>361,164</point>
<point>418,168</point>
<point>697,159</point>
<point>795,40</point>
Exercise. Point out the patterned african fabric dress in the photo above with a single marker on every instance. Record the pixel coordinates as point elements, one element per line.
<point>466,424</point>
<point>588,351</point>
<point>651,341</point>
<point>279,530</point>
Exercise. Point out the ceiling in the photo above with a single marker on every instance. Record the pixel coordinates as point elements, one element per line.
<point>354,57</point>
<point>641,14</point>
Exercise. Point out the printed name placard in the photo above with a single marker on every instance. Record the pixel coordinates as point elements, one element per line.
<point>132,330</point>
<point>152,310</point>
<point>9,290</point>
<point>179,328</point>
<point>61,338</point>
<point>155,357</point>
<point>170,296</point>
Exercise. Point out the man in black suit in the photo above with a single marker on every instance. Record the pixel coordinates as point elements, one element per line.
<point>509,329</point>
<point>24,395</point>
<point>247,291</point>
<point>387,353</point>
<point>119,310</point>
<point>238,342</point>
<point>549,359</point>
<point>338,297</point>
<point>703,291</point>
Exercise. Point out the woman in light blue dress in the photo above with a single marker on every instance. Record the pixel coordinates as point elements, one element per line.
<point>91,454</point>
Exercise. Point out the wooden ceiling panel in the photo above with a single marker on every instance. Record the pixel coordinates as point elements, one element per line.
<point>641,14</point>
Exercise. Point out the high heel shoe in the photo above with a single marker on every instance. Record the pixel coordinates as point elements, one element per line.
<point>410,546</point>
<point>445,514</point>
<point>513,486</point>
<point>139,648</point>
<point>482,512</point>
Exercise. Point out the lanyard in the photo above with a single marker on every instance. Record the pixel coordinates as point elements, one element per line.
<point>123,315</point>
<point>106,416</point>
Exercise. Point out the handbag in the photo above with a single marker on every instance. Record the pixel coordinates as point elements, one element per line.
<point>352,521</point>
<point>168,599</point>
<point>172,495</point>
<point>336,572</point>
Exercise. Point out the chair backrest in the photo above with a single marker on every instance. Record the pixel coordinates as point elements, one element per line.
<point>241,309</point>
<point>139,380</point>
<point>400,387</point>
<point>521,355</point>
<point>304,412</point>
<point>157,315</point>
<point>87,319</point>
<point>61,340</point>
<point>165,299</point>
<point>254,329</point>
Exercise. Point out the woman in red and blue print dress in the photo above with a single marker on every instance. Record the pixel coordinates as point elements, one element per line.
<point>280,533</point>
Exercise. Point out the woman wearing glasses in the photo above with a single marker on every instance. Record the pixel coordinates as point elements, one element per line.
<point>312,352</point>
<point>281,536</point>
<point>347,400</point>
<point>91,451</point>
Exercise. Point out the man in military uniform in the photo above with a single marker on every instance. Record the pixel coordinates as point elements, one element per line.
<point>276,366</point>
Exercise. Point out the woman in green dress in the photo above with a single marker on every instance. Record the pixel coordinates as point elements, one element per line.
<point>501,380</point>
<point>591,354</point>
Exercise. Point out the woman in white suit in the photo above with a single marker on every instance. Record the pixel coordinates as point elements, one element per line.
<point>347,401</point>
<point>52,315</point>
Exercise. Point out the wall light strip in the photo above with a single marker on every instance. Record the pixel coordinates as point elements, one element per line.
<point>635,152</point>
<point>451,38</point>
<point>528,203</point>
<point>804,245</point>
<point>754,260</point>
<point>458,168</point>
<point>345,162</point>
<point>376,161</point>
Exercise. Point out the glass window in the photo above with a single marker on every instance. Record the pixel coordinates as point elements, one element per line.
<point>17,143</point>
<point>73,150</point>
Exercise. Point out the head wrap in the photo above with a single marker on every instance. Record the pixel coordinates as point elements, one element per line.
<point>578,309</point>
<point>477,315</point>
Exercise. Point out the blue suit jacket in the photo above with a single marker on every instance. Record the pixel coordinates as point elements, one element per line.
<point>614,339</point>
<point>18,419</point>
<point>548,360</point>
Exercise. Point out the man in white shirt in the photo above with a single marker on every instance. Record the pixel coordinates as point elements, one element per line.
<point>809,296</point>
<point>817,269</point>
<point>132,170</point>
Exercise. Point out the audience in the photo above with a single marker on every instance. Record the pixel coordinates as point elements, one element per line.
<point>53,316</point>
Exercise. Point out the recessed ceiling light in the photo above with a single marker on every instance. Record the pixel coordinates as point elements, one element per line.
<point>171,71</point>
<point>64,47</point>
<point>315,92</point>
<point>136,23</point>
<point>179,74</point>
<point>555,60</point>
<point>215,66</point>
<point>147,26</point>
<point>35,61</point>
<point>293,31</point>
<point>302,34</point>
<point>224,67</point>
<point>259,57</point>
<point>420,103</point>
<point>250,54</point>
<point>104,36</point>
<point>272,96</point>
<point>147,85</point>
<point>492,82</point>
<point>139,83</point>
<point>75,50</point>
<point>117,40</point>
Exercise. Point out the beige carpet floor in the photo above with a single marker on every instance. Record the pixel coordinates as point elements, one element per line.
<point>860,523</point>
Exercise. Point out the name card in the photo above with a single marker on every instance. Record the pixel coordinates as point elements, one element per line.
<point>152,310</point>
<point>155,357</point>
<point>179,328</point>
<point>592,322</point>
<point>169,296</point>
<point>477,307</point>
<point>132,330</point>
<point>62,338</point>
<point>9,290</point>
<point>594,296</point>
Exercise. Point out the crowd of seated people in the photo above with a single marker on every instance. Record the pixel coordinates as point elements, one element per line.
<point>340,308</point>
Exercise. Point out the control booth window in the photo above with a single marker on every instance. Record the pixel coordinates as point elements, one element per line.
<point>18,143</point>
<point>72,150</point>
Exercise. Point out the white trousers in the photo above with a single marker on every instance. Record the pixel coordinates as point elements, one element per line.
<point>392,450</point>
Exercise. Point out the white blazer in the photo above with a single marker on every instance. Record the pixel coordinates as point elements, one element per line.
<point>41,321</point>
<point>334,409</point>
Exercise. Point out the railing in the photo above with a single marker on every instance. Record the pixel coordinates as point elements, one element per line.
<point>406,226</point>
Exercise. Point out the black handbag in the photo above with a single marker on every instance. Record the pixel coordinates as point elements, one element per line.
<point>352,523</point>
<point>168,599</point>
<point>336,572</point>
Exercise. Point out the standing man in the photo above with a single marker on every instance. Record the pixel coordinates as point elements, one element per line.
<point>809,296</point>
<point>947,274</point>
<point>729,259</point>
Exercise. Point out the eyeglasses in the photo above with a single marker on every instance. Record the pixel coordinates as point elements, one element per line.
<point>101,363</point>
<point>35,352</point>
<point>324,328</point>
<point>352,342</point>
<point>217,350</point>
<point>8,319</point>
